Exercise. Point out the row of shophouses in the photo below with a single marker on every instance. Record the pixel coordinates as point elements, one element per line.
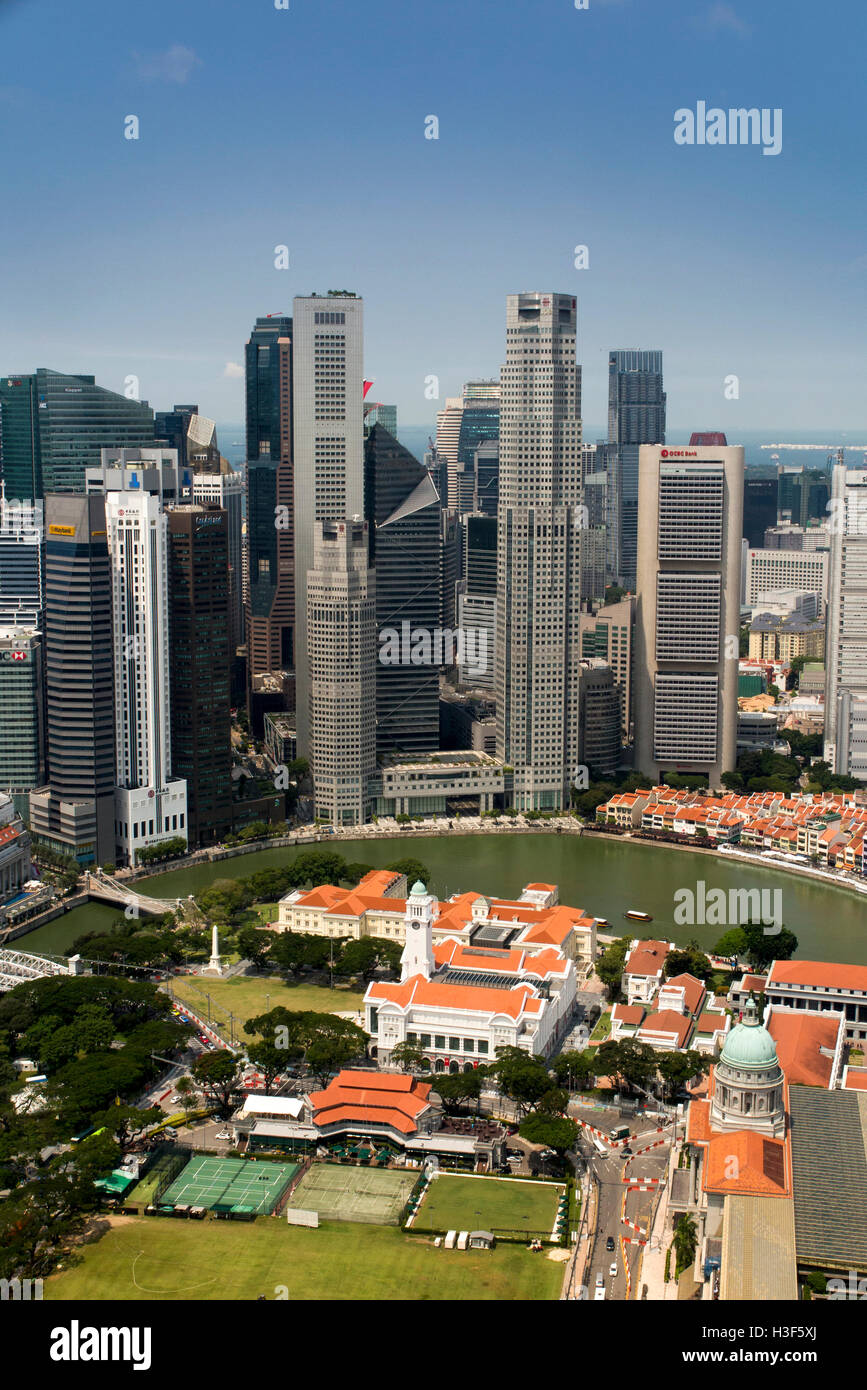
<point>829,830</point>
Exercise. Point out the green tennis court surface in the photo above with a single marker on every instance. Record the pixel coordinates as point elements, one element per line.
<point>230,1184</point>
<point>346,1193</point>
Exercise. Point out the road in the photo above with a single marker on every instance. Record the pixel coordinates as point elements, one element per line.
<point>609,1174</point>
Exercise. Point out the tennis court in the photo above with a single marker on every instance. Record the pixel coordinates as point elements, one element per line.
<point>346,1193</point>
<point>230,1184</point>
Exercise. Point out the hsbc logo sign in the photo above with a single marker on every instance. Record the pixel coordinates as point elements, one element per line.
<point>14,656</point>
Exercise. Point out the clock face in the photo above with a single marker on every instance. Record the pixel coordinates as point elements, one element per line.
<point>416,925</point>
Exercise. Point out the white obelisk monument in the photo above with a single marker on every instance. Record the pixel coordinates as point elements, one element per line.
<point>215,965</point>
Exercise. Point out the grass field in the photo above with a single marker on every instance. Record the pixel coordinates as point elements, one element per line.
<point>342,1192</point>
<point>152,1258</point>
<point>247,996</point>
<point>454,1203</point>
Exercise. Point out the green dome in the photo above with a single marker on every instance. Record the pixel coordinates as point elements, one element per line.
<point>749,1044</point>
<point>418,889</point>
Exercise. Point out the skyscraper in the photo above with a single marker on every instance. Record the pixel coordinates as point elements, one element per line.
<point>477,601</point>
<point>22,561</point>
<point>341,631</point>
<point>636,416</point>
<point>760,505</point>
<point>226,490</point>
<point>171,426</point>
<point>690,511</point>
<point>201,749</point>
<point>74,812</point>
<point>468,420</point>
<point>403,511</point>
<point>538,551</point>
<point>270,619</point>
<point>846,645</point>
<point>150,804</point>
<point>328,430</point>
<point>53,425</point>
<point>22,737</point>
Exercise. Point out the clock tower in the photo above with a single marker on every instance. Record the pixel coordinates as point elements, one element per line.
<point>418,956</point>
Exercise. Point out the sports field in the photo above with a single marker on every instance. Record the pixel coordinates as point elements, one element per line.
<point>453,1203</point>
<point>145,1258</point>
<point>247,996</point>
<point>346,1193</point>
<point>229,1183</point>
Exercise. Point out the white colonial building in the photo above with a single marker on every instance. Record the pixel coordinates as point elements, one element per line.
<point>460,1000</point>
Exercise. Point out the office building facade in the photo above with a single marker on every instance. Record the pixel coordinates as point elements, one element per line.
<point>226,491</point>
<point>53,426</point>
<point>201,750</point>
<point>688,610</point>
<point>270,613</point>
<point>770,570</point>
<point>846,650</point>
<point>150,803</point>
<point>328,376</point>
<point>539,527</point>
<point>341,631</point>
<point>22,562</point>
<point>73,813</point>
<point>636,416</point>
<point>403,512</point>
<point>22,733</point>
<point>606,635</point>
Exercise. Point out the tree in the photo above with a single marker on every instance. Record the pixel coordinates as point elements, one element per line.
<point>614,593</point>
<point>521,1076</point>
<point>409,1057</point>
<point>731,943</point>
<point>627,1063</point>
<point>575,1069</point>
<point>271,1059</point>
<point>218,1076</point>
<point>553,1102</point>
<point>334,1043</point>
<point>356,872</point>
<point>126,1123</point>
<point>457,1091</point>
<point>414,869</point>
<point>610,965</point>
<point>685,1241</point>
<point>689,961</point>
<point>764,945</point>
<point>557,1133</point>
<point>254,944</point>
<point>365,956</point>
<point>677,1068</point>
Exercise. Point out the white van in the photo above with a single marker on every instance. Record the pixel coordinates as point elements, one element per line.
<point>599,1296</point>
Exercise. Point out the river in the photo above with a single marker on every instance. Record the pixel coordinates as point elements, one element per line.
<point>606,877</point>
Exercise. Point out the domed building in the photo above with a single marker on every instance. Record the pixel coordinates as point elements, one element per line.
<point>748,1080</point>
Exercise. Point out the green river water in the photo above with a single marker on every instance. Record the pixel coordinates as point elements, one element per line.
<point>606,877</point>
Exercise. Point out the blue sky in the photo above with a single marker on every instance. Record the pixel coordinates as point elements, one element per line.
<point>305,127</point>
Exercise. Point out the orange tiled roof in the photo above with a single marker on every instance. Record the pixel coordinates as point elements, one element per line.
<point>474,998</point>
<point>371,1097</point>
<point>627,1013</point>
<point>856,1080</point>
<point>667,1021</point>
<point>693,989</point>
<point>710,1023</point>
<point>799,1036</point>
<point>744,1163</point>
<point>824,974</point>
<point>647,958</point>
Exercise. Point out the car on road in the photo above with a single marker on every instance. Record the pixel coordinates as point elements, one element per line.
<point>612,1270</point>
<point>626,1153</point>
<point>609,1244</point>
<point>171,1132</point>
<point>223,1134</point>
<point>600,1280</point>
<point>599,1296</point>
